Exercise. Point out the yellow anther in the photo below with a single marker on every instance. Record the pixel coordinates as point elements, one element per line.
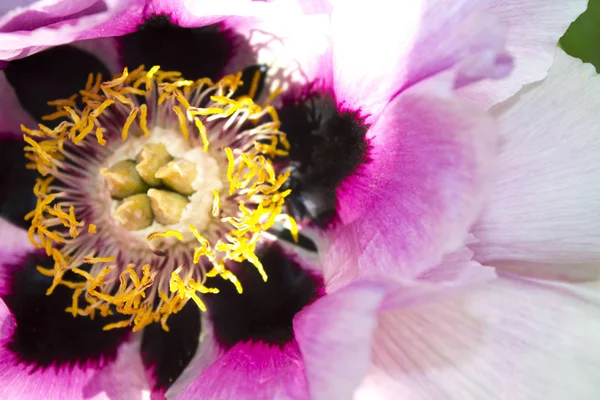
<point>293,227</point>
<point>55,115</point>
<point>273,96</point>
<point>92,228</point>
<point>128,123</point>
<point>106,103</point>
<point>152,71</point>
<point>230,169</point>
<point>254,85</point>
<point>84,132</point>
<point>144,120</point>
<point>216,203</point>
<point>166,234</point>
<point>117,81</point>
<point>202,131</point>
<point>114,325</point>
<point>100,136</point>
<point>95,260</point>
<point>182,121</point>
<point>182,100</point>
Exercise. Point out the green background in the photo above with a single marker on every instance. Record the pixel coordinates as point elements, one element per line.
<point>582,39</point>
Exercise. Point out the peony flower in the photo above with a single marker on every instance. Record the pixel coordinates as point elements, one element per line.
<point>290,331</point>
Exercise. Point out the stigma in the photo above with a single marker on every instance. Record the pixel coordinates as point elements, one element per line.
<point>150,184</point>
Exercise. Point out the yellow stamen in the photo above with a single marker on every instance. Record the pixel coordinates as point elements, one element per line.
<point>182,121</point>
<point>128,123</point>
<point>166,234</point>
<point>254,184</point>
<point>144,120</point>
<point>216,203</point>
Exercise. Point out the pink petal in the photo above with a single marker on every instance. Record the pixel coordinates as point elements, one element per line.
<point>418,196</point>
<point>252,371</point>
<point>50,23</point>
<point>512,339</point>
<point>334,336</point>
<point>12,115</point>
<point>543,215</point>
<point>122,380</point>
<point>15,244</point>
<point>381,48</point>
<point>534,29</point>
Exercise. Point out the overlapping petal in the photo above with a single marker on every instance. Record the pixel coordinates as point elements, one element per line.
<point>382,48</point>
<point>43,24</point>
<point>252,371</point>
<point>543,211</point>
<point>420,192</point>
<point>514,338</point>
<point>534,27</point>
<point>334,338</point>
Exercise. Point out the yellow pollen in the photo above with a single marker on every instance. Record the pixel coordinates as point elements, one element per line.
<point>145,294</point>
<point>216,203</point>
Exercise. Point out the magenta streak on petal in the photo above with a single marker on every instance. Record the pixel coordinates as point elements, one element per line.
<point>250,371</point>
<point>418,196</point>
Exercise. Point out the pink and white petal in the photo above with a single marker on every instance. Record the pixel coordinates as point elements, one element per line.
<point>12,115</point>
<point>534,27</point>
<point>512,339</point>
<point>382,47</point>
<point>276,31</point>
<point>56,22</point>
<point>36,14</point>
<point>544,207</point>
<point>296,55</point>
<point>15,245</point>
<point>193,13</point>
<point>124,379</point>
<point>251,371</point>
<point>416,198</point>
<point>334,336</point>
<point>121,380</point>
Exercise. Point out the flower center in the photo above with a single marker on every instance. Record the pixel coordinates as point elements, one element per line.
<point>161,182</point>
<point>150,184</point>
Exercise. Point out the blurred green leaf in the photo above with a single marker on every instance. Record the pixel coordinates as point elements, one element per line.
<point>582,39</point>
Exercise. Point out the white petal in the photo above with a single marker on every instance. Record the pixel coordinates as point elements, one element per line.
<point>545,204</point>
<point>513,339</point>
<point>534,27</point>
